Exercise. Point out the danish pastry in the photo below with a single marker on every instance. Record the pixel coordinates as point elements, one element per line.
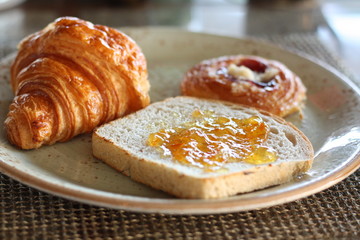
<point>71,77</point>
<point>250,80</point>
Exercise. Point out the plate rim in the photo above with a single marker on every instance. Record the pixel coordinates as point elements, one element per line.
<point>185,206</point>
<point>181,206</point>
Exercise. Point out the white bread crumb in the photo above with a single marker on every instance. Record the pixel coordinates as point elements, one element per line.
<point>122,144</point>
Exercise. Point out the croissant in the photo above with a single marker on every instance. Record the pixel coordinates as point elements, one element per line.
<point>71,77</point>
<point>250,80</point>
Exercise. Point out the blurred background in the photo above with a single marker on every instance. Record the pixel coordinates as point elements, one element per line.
<point>335,22</point>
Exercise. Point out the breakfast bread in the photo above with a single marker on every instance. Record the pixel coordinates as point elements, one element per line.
<point>71,77</point>
<point>125,145</point>
<point>250,80</point>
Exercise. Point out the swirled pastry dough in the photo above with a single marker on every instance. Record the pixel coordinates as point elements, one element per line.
<point>71,77</point>
<point>250,80</point>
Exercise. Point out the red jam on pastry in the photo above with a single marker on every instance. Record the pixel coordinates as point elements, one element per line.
<point>250,80</point>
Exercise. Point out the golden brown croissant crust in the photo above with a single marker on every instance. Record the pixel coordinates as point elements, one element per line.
<point>71,77</point>
<point>250,80</point>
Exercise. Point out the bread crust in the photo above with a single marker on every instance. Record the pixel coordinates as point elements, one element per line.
<point>281,94</point>
<point>168,177</point>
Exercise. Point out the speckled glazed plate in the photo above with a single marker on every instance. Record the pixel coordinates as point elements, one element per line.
<point>331,122</point>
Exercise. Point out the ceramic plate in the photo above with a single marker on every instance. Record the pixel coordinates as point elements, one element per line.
<point>331,122</point>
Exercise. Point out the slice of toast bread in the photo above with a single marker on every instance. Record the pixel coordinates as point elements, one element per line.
<point>122,144</point>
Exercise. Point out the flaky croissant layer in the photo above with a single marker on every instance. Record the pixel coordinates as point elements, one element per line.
<point>71,77</point>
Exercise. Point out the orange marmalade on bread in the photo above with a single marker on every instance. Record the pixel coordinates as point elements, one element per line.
<point>209,141</point>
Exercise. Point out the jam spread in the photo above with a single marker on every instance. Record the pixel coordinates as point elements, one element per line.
<point>210,141</point>
<point>251,71</point>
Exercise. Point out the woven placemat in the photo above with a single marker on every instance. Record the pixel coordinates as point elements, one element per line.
<point>26,213</point>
